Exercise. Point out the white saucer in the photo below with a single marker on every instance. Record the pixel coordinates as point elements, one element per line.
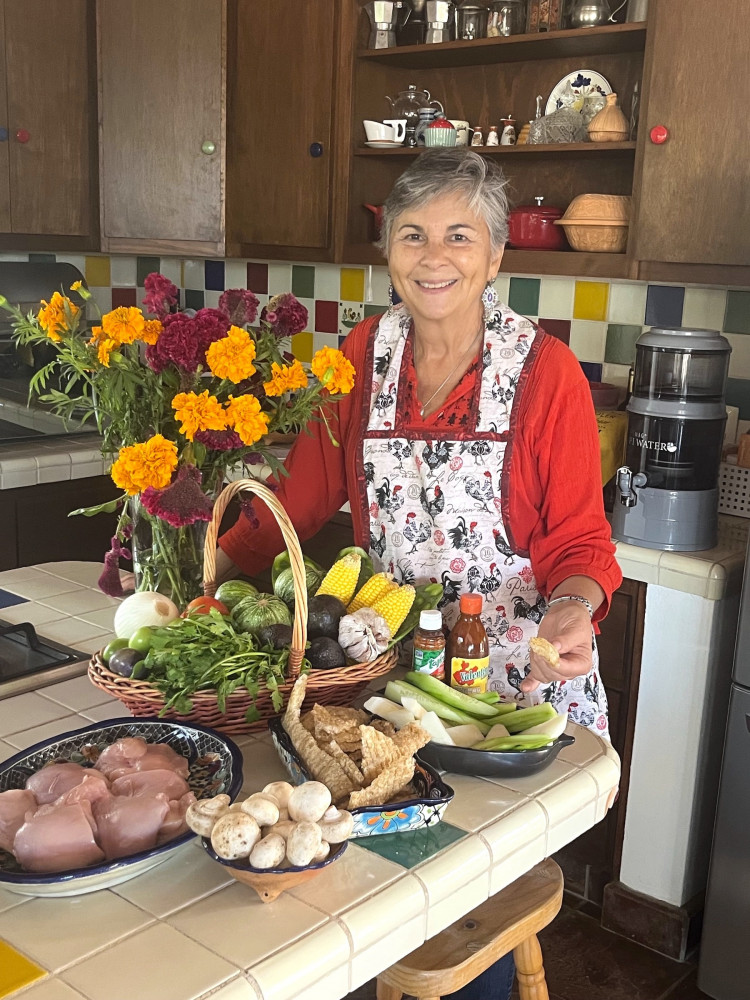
<point>383,144</point>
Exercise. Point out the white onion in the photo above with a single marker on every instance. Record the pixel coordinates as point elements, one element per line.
<point>144,608</point>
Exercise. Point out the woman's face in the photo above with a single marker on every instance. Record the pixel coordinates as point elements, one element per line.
<point>440,259</point>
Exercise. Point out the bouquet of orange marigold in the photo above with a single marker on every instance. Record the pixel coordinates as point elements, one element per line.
<point>179,397</point>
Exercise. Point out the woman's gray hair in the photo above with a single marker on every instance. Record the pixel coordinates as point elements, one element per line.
<point>437,172</point>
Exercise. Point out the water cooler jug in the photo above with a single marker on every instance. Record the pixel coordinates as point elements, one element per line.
<point>667,492</point>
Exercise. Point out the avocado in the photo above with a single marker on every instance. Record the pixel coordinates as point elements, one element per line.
<point>324,612</point>
<point>325,654</point>
<point>276,636</point>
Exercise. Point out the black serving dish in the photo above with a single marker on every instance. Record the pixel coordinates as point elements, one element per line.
<point>492,763</point>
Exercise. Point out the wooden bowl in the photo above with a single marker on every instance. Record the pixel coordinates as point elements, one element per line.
<point>269,884</point>
<point>596,237</point>
<point>600,207</point>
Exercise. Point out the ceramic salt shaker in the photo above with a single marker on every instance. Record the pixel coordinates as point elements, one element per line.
<point>492,136</point>
<point>476,136</point>
<point>508,135</point>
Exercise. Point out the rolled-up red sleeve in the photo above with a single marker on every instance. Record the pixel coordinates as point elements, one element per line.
<point>556,507</point>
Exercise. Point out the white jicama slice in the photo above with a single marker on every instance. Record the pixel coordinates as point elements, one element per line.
<point>552,727</point>
<point>497,730</point>
<point>413,706</point>
<point>434,726</point>
<point>397,715</point>
<point>464,736</point>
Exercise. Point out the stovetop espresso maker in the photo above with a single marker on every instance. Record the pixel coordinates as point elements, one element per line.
<point>667,492</point>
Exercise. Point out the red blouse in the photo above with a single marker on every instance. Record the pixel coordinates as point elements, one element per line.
<point>555,508</point>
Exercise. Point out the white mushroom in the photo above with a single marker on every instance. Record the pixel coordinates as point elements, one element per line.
<point>281,790</point>
<point>322,852</point>
<point>234,835</point>
<point>203,814</point>
<point>268,852</point>
<point>262,808</point>
<point>336,825</point>
<point>309,801</point>
<point>303,843</point>
<point>284,827</point>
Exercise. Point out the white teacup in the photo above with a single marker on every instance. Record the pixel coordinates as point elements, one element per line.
<point>462,132</point>
<point>378,132</point>
<point>399,127</point>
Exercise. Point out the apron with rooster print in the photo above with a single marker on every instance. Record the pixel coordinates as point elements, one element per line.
<point>434,501</point>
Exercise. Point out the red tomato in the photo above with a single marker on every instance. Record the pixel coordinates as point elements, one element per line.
<point>202,605</point>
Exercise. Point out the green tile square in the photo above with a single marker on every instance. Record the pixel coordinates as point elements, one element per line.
<point>42,258</point>
<point>620,345</point>
<point>145,266</point>
<point>523,296</point>
<point>737,316</point>
<point>372,310</point>
<point>303,281</point>
<point>738,394</point>
<point>194,299</point>
<point>413,847</point>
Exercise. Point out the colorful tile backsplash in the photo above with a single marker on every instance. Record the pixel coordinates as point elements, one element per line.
<point>601,320</point>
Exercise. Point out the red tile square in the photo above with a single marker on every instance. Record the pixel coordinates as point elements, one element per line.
<point>257,278</point>
<point>123,297</point>
<point>326,316</point>
<point>559,328</point>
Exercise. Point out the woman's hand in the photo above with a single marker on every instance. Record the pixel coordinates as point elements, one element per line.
<point>225,568</point>
<point>568,627</point>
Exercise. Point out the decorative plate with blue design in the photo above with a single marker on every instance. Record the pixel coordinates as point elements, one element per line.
<point>215,767</point>
<point>586,83</point>
<point>433,795</point>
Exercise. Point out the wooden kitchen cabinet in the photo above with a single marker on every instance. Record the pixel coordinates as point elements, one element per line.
<point>48,173</point>
<point>223,146</point>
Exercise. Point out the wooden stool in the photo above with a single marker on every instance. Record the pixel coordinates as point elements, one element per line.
<point>508,921</point>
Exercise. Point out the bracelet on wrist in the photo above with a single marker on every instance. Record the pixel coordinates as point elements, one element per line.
<point>573,597</point>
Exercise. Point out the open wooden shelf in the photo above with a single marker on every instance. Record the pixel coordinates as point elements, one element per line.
<point>603,40</point>
<point>548,149</point>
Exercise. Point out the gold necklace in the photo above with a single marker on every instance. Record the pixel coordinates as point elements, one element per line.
<point>451,372</point>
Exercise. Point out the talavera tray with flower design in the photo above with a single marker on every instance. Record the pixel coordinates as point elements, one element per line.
<point>426,809</point>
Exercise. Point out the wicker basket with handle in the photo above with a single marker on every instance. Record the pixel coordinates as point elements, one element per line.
<point>338,686</point>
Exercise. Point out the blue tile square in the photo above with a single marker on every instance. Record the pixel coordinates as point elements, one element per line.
<point>194,299</point>
<point>592,371</point>
<point>8,600</point>
<point>214,271</point>
<point>664,305</point>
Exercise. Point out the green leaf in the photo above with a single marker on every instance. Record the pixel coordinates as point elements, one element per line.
<point>103,508</point>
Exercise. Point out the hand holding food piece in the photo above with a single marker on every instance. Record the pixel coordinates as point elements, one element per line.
<point>567,627</point>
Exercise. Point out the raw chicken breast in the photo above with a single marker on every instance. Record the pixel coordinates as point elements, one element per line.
<point>134,754</point>
<point>14,804</point>
<point>128,824</point>
<point>94,786</point>
<point>174,822</point>
<point>57,839</point>
<point>55,780</point>
<point>151,783</point>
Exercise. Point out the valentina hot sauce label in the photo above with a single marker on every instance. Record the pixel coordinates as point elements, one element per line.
<point>470,675</point>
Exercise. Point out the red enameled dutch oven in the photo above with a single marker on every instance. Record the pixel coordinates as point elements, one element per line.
<point>531,227</point>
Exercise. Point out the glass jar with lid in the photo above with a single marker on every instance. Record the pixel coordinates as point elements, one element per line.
<point>471,20</point>
<point>506,17</point>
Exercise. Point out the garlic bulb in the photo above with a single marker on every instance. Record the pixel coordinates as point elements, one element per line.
<point>364,635</point>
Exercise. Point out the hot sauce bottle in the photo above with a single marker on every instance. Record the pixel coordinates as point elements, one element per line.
<point>429,645</point>
<point>468,651</point>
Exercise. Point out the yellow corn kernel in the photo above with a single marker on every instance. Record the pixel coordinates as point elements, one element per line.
<point>372,590</point>
<point>341,579</point>
<point>395,606</point>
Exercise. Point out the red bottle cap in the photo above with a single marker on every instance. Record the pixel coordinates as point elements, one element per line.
<point>659,134</point>
<point>471,604</point>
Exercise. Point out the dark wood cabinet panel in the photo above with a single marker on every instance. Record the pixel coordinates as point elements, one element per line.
<point>8,532</point>
<point>4,157</point>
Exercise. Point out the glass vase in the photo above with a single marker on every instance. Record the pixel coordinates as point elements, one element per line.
<point>165,559</point>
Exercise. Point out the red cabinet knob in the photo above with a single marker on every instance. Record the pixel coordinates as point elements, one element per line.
<point>22,135</point>
<point>659,134</point>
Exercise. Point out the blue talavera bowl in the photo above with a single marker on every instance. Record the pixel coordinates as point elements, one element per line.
<point>215,763</point>
<point>426,809</point>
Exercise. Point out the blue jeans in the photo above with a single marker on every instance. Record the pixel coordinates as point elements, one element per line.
<point>494,983</point>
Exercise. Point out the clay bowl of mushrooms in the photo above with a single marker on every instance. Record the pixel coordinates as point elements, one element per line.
<point>276,838</point>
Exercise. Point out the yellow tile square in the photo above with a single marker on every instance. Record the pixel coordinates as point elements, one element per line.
<point>352,284</point>
<point>98,272</point>
<point>16,971</point>
<point>590,301</point>
<point>302,346</point>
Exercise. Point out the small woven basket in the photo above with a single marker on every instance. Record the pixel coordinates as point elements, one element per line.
<point>338,686</point>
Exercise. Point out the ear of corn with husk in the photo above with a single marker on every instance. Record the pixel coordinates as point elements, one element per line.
<point>395,606</point>
<point>376,587</point>
<point>341,579</point>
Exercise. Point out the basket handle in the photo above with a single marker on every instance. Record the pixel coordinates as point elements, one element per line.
<point>299,575</point>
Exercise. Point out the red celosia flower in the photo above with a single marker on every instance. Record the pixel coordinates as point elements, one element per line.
<point>161,294</point>
<point>285,314</point>
<point>182,502</point>
<point>109,582</point>
<point>239,305</point>
<point>184,339</point>
<point>219,440</point>
<point>248,511</point>
<point>210,325</point>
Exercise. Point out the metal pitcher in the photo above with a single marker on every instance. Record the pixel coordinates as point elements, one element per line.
<point>383,16</point>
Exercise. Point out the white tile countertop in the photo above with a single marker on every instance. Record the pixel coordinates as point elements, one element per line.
<point>185,930</point>
<point>50,460</point>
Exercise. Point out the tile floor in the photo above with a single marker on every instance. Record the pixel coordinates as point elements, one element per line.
<point>585,962</point>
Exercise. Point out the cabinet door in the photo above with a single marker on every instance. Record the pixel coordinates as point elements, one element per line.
<point>161,70</point>
<point>51,116</point>
<point>693,197</point>
<point>280,104</point>
<point>4,160</point>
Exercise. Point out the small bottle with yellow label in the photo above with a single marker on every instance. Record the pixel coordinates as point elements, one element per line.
<point>468,650</point>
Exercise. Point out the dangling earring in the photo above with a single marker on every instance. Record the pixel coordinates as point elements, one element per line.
<point>390,293</point>
<point>489,299</point>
